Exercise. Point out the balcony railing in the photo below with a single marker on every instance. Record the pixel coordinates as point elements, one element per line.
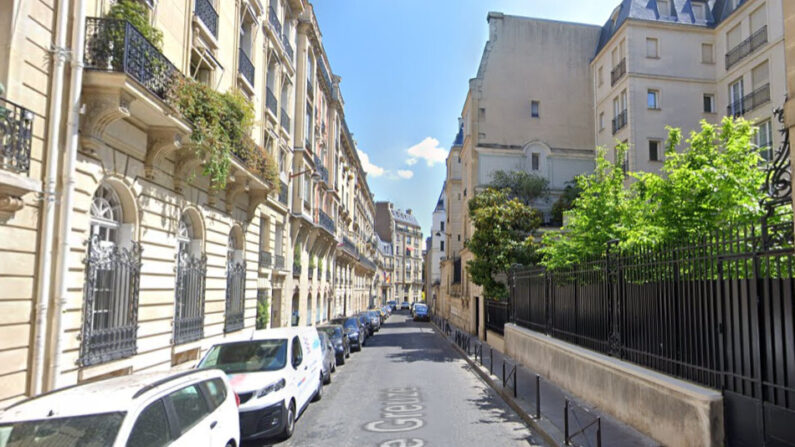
<point>270,102</point>
<point>326,222</point>
<point>283,194</point>
<point>110,302</point>
<point>189,298</point>
<point>235,296</point>
<point>746,47</point>
<point>16,131</point>
<point>265,259</point>
<point>278,262</point>
<point>285,120</point>
<point>296,270</point>
<point>618,72</point>
<point>273,18</point>
<point>367,263</point>
<point>245,67</point>
<point>749,102</point>
<point>115,45</point>
<point>349,246</point>
<point>310,90</point>
<point>619,121</point>
<point>208,15</point>
<point>288,48</point>
<point>321,170</point>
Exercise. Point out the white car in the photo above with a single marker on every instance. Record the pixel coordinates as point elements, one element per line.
<point>275,372</point>
<point>190,409</point>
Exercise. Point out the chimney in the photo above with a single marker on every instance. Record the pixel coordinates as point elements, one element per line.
<point>408,211</point>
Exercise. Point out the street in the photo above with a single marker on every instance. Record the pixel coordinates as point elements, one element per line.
<point>409,388</point>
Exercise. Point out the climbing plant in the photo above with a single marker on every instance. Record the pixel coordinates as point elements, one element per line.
<point>137,14</point>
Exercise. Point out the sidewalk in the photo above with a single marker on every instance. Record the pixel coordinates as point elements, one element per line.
<point>581,416</point>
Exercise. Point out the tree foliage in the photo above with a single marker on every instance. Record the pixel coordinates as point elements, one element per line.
<point>715,181</point>
<point>137,14</point>
<point>565,202</point>
<point>503,236</point>
<point>521,185</point>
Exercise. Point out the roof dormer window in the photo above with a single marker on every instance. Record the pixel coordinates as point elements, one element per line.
<point>663,8</point>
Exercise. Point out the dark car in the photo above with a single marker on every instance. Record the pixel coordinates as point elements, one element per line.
<point>329,359</point>
<point>375,319</point>
<point>392,304</point>
<point>364,318</point>
<point>342,347</point>
<point>421,312</point>
<point>404,305</point>
<point>353,330</point>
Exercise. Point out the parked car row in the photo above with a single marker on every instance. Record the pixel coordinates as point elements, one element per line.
<point>251,386</point>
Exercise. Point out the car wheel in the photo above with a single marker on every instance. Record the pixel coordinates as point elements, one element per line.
<point>328,377</point>
<point>230,444</point>
<point>289,424</point>
<point>333,366</point>
<point>319,393</point>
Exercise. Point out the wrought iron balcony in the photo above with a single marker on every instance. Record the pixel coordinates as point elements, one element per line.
<point>746,47</point>
<point>208,15</point>
<point>117,46</point>
<point>749,102</point>
<point>278,262</point>
<point>321,170</point>
<point>283,193</point>
<point>619,121</point>
<point>110,302</point>
<point>285,120</point>
<point>310,89</point>
<point>265,259</point>
<point>326,222</point>
<point>618,72</point>
<point>245,67</point>
<point>288,48</point>
<point>273,18</point>
<point>16,131</point>
<point>270,101</point>
<point>296,270</point>
<point>349,246</point>
<point>367,263</point>
<point>189,298</point>
<point>235,296</point>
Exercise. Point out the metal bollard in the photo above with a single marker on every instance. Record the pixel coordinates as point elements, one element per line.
<point>491,360</point>
<point>599,432</point>
<point>538,396</point>
<point>503,373</point>
<point>566,421</point>
<point>514,380</point>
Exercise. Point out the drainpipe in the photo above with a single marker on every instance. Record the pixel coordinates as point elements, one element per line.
<point>59,55</point>
<point>68,184</point>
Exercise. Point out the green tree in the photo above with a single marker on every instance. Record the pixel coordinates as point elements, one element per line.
<point>503,236</point>
<point>263,314</point>
<point>565,202</point>
<point>137,14</point>
<point>520,185</point>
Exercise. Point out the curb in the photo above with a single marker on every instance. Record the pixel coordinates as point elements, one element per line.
<point>541,427</point>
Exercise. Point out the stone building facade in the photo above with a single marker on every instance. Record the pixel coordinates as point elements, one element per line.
<point>403,231</point>
<point>118,253</point>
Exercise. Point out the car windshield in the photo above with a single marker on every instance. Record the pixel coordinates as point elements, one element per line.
<point>247,356</point>
<point>350,323</point>
<point>333,332</point>
<point>421,307</point>
<point>95,430</point>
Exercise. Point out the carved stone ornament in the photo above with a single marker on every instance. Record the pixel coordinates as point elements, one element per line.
<point>161,143</point>
<point>12,188</point>
<point>101,109</point>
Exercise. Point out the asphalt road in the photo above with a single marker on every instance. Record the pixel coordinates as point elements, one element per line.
<point>408,388</point>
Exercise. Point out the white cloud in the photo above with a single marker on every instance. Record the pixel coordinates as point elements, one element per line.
<point>369,168</point>
<point>429,150</point>
<point>405,173</point>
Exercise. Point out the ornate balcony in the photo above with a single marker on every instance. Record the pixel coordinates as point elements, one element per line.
<point>16,131</point>
<point>245,67</point>
<point>288,48</point>
<point>746,47</point>
<point>326,222</point>
<point>749,102</point>
<point>285,120</point>
<point>283,194</point>
<point>110,297</point>
<point>278,262</point>
<point>618,72</point>
<point>265,260</point>
<point>208,15</point>
<point>270,101</point>
<point>350,247</point>
<point>321,170</point>
<point>620,121</point>
<point>273,18</point>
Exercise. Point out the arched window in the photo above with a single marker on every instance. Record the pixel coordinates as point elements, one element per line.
<point>110,294</point>
<point>190,282</point>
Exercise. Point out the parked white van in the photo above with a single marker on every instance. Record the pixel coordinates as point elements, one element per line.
<point>275,372</point>
<point>186,409</point>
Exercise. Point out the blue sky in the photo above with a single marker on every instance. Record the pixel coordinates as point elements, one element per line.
<point>405,67</point>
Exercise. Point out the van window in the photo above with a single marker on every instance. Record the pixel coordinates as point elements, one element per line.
<point>298,354</point>
<point>247,356</point>
<point>151,428</point>
<point>95,429</point>
<point>216,390</point>
<point>190,406</point>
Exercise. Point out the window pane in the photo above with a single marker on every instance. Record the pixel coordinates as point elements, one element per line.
<point>698,11</point>
<point>534,109</point>
<point>535,159</point>
<point>760,75</point>
<point>652,99</point>
<point>189,405</point>
<point>151,428</point>
<point>217,391</point>
<point>758,19</point>
<point>708,104</point>
<point>653,150</point>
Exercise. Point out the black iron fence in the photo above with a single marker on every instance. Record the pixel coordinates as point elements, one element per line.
<point>245,67</point>
<point>270,102</point>
<point>110,309</point>
<point>16,132</point>
<point>619,121</point>
<point>497,314</point>
<point>326,222</point>
<point>746,47</point>
<point>116,45</point>
<point>618,72</point>
<point>208,16</point>
<point>189,298</point>
<point>265,259</point>
<point>235,296</point>
<point>749,102</point>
